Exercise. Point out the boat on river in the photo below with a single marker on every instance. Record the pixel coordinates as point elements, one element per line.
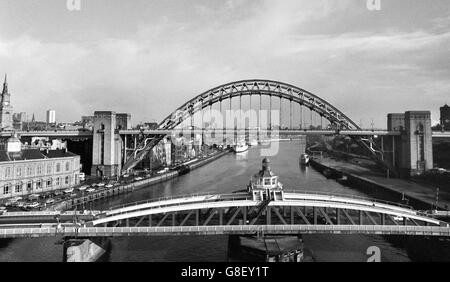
<point>240,148</point>
<point>304,159</point>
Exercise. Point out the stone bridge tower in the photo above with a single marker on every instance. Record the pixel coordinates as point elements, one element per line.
<point>413,150</point>
<point>107,143</point>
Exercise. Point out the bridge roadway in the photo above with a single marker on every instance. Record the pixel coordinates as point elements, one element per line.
<point>96,223</point>
<point>49,133</point>
<point>260,131</point>
<point>70,231</point>
<point>88,133</point>
<point>10,219</point>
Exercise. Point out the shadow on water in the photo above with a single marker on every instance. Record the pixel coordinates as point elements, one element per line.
<point>423,248</point>
<point>5,242</point>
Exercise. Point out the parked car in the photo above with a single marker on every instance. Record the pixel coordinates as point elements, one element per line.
<point>32,205</point>
<point>50,201</point>
<point>82,188</point>
<point>33,197</point>
<point>166,169</point>
<point>68,191</point>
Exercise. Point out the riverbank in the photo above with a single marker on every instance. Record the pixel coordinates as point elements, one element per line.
<point>419,195</point>
<point>103,193</point>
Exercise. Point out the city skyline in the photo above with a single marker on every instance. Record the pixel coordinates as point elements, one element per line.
<point>365,62</point>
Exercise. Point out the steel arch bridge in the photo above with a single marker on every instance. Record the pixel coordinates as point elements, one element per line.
<point>255,87</point>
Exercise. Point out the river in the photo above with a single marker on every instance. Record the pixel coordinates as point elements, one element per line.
<point>229,173</point>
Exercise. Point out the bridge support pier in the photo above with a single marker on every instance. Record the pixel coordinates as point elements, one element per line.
<point>107,145</point>
<point>412,152</point>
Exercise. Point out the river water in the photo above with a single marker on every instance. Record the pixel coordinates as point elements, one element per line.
<point>229,173</point>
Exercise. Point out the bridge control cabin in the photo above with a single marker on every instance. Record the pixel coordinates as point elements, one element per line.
<point>264,185</point>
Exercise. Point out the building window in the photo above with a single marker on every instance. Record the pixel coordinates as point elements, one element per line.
<point>29,186</point>
<point>6,189</point>
<point>39,184</point>
<point>29,170</point>
<point>49,169</point>
<point>18,187</point>
<point>67,166</point>
<point>49,182</point>
<point>57,181</point>
<point>266,181</point>
<point>8,172</point>
<point>39,170</point>
<point>19,171</point>
<point>67,180</point>
<point>58,167</point>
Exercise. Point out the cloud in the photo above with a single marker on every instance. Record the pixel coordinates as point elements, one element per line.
<point>153,70</point>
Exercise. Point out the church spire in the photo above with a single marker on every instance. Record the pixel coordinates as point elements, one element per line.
<point>5,86</point>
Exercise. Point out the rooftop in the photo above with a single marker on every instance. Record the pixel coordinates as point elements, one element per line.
<point>34,154</point>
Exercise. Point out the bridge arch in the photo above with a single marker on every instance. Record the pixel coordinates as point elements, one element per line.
<point>330,207</point>
<point>247,88</point>
<point>258,87</point>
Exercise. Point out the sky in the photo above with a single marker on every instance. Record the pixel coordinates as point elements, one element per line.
<point>147,57</point>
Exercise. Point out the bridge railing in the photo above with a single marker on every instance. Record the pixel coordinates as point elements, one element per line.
<point>239,196</point>
<point>167,198</point>
<point>161,204</point>
<point>308,192</point>
<point>212,193</point>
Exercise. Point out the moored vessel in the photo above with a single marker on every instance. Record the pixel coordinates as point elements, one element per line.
<point>253,142</point>
<point>304,159</point>
<point>240,148</point>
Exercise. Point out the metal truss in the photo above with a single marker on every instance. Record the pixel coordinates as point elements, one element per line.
<point>267,215</point>
<point>255,87</point>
